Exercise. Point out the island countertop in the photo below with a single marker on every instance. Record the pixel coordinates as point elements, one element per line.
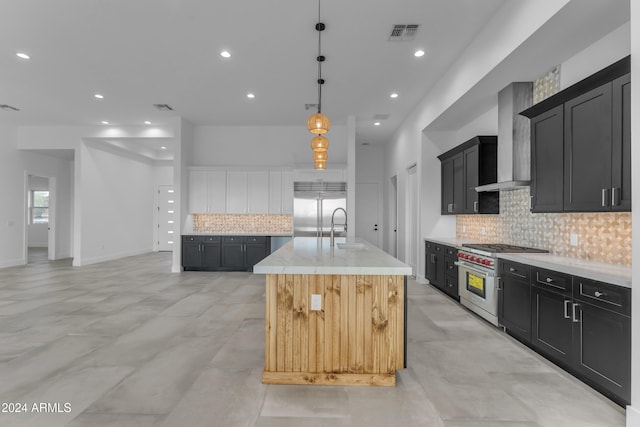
<point>310,255</point>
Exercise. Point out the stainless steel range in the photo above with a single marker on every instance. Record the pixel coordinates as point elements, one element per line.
<point>477,279</point>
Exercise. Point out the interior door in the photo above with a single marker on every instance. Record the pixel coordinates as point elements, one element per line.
<point>366,218</point>
<point>166,218</point>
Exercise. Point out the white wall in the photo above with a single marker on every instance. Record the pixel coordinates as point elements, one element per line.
<point>614,46</point>
<point>14,164</point>
<point>263,146</point>
<point>116,198</point>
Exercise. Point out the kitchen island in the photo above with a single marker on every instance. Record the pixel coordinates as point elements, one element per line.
<point>335,315</point>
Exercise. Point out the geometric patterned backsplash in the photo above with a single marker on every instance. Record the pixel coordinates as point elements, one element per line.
<point>604,237</point>
<point>243,223</point>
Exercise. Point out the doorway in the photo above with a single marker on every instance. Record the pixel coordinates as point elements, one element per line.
<point>39,229</point>
<point>393,217</point>
<point>367,218</point>
<point>411,235</point>
<point>166,219</point>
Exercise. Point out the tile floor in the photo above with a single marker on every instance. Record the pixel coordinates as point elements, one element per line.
<point>126,343</point>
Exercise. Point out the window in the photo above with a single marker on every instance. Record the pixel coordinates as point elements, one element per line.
<point>39,206</point>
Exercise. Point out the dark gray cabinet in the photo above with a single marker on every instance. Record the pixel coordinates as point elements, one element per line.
<point>440,268</point>
<point>224,253</point>
<point>587,151</point>
<point>200,252</point>
<point>514,299</point>
<point>547,161</point>
<point>584,326</point>
<point>452,185</point>
<point>464,168</point>
<point>580,145</point>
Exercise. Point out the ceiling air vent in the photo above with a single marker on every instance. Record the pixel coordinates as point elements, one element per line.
<point>310,106</point>
<point>163,107</point>
<point>380,116</point>
<point>403,32</point>
<point>8,107</point>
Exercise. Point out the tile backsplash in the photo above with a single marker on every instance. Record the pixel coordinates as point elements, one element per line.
<point>604,237</point>
<point>243,223</point>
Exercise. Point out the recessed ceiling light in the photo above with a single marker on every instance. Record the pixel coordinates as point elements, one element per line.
<point>97,95</point>
<point>104,122</point>
<point>22,55</point>
<point>251,95</point>
<point>394,95</point>
<point>225,54</point>
<point>163,148</point>
<point>419,53</point>
<point>147,122</point>
<point>376,124</point>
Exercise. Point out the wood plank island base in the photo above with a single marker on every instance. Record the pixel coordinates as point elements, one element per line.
<point>337,327</point>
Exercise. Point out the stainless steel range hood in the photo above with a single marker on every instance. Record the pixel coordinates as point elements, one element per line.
<point>514,143</point>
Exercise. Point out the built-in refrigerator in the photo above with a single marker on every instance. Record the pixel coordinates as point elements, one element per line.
<point>313,205</point>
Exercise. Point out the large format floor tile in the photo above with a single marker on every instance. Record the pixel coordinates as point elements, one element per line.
<point>127,343</point>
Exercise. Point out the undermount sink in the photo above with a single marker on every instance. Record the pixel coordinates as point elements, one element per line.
<point>353,246</point>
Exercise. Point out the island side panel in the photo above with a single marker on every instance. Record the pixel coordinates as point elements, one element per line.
<point>357,338</point>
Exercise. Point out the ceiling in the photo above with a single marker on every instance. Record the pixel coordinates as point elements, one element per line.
<point>143,52</point>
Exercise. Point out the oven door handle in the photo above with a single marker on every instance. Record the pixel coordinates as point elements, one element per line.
<point>475,270</point>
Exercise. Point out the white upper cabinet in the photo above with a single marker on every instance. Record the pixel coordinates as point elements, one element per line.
<point>329,175</point>
<point>236,192</point>
<point>258,192</point>
<point>287,192</point>
<point>217,191</point>
<point>275,192</point>
<point>198,192</point>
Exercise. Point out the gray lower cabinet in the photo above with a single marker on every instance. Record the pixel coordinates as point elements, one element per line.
<point>440,268</point>
<point>585,327</point>
<point>514,299</point>
<point>224,253</point>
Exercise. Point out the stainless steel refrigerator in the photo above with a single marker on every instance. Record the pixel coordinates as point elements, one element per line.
<point>313,205</point>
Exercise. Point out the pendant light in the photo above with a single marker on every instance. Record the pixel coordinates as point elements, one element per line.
<point>319,124</point>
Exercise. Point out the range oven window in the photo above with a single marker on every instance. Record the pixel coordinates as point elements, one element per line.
<point>476,284</point>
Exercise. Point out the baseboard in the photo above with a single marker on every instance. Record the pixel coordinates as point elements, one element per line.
<point>110,257</point>
<point>11,263</point>
<point>633,416</point>
<point>421,280</point>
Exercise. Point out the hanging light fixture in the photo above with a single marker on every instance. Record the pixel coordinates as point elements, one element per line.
<point>318,123</point>
<point>319,143</point>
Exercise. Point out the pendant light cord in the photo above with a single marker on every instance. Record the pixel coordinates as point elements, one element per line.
<point>319,61</point>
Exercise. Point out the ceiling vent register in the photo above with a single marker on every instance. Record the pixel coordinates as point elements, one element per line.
<point>403,32</point>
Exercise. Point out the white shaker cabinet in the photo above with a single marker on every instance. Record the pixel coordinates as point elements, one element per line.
<point>258,192</point>
<point>217,191</point>
<point>198,192</point>
<point>275,192</point>
<point>287,192</point>
<point>236,192</point>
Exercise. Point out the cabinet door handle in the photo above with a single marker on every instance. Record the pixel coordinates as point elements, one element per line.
<point>433,258</point>
<point>599,294</point>
<point>512,270</point>
<point>615,198</point>
<point>573,316</point>
<point>605,197</point>
<point>530,203</point>
<point>475,206</point>
<point>549,280</point>
<point>499,288</point>
<point>566,309</point>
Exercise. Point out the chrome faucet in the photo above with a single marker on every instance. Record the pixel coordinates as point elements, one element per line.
<point>333,223</point>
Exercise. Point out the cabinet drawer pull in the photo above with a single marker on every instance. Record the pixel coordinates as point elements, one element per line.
<point>605,197</point>
<point>566,309</point>
<point>512,270</point>
<point>573,316</point>
<point>615,198</point>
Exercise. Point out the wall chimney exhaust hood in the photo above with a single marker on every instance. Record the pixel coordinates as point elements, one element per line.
<point>514,141</point>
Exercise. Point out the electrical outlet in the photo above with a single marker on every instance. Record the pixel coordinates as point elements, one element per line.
<point>484,231</point>
<point>316,302</point>
<point>464,228</point>
<point>574,239</point>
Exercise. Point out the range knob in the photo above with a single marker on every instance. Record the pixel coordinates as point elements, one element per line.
<point>460,255</point>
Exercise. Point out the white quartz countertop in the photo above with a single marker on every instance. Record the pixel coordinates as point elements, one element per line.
<point>447,241</point>
<point>310,255</point>
<point>610,273</point>
<point>222,233</point>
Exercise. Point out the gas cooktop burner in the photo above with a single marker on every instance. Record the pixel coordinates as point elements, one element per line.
<point>501,248</point>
